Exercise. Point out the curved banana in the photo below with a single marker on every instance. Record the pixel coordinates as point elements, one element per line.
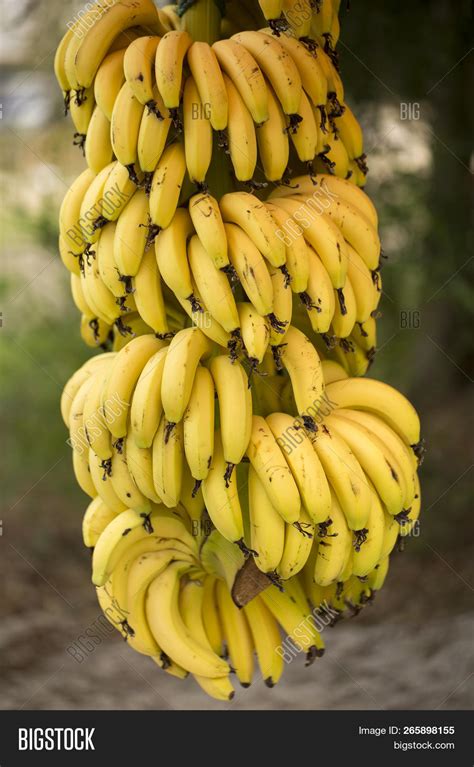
<point>166,185</point>
<point>100,476</point>
<point>301,360</point>
<point>86,52</point>
<point>207,221</point>
<point>334,547</point>
<point>123,483</point>
<point>168,459</point>
<point>234,60</point>
<point>234,395</point>
<point>306,215</point>
<point>198,425</point>
<point>241,141</point>
<point>147,407</point>
<point>222,497</point>
<point>304,464</point>
<point>382,399</point>
<point>125,127</point>
<point>237,635</point>
<point>251,269</point>
<point>186,350</point>
<point>70,213</point>
<point>132,235</point>
<point>255,333</point>
<point>255,219</point>
<point>270,464</point>
<point>277,65</point>
<point>272,140</point>
<point>205,69</point>
<point>98,146</point>
<point>95,520</point>
<point>345,476</point>
<point>267,528</point>
<point>149,295</point>
<point>197,134</point>
<point>266,638</point>
<point>213,285</point>
<point>169,629</point>
<point>299,539</point>
<point>108,81</point>
<point>169,62</point>
<point>322,298</point>
<point>139,69</point>
<point>376,460</point>
<point>152,137</point>
<point>122,379</point>
<point>190,604</point>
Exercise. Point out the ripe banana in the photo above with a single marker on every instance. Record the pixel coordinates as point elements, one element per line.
<point>205,69</point>
<point>237,635</point>
<point>146,408</point>
<point>108,81</point>
<point>222,497</point>
<point>169,62</point>
<point>234,395</point>
<point>122,379</point>
<point>382,399</point>
<point>240,66</point>
<point>168,459</point>
<point>304,464</point>
<point>207,221</point>
<point>198,425</point>
<point>139,69</point>
<point>334,547</point>
<point>277,65</point>
<point>213,286</point>
<point>125,127</point>
<point>267,528</point>
<point>269,463</point>
<point>197,134</point>
<point>166,185</point>
<point>345,476</point>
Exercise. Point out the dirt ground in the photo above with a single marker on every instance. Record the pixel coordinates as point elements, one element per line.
<point>411,649</point>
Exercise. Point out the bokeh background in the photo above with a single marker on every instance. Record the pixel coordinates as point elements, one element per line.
<point>406,68</point>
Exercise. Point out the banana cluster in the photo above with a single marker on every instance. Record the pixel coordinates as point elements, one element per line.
<point>274,105</point>
<point>316,499</point>
<point>240,268</point>
<point>247,486</point>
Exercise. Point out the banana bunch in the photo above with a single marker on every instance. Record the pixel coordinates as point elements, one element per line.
<point>247,484</point>
<point>270,103</point>
<point>241,269</point>
<point>143,428</point>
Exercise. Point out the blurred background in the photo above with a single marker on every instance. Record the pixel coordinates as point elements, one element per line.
<point>406,70</point>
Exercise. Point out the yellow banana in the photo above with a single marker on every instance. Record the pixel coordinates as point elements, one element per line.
<point>205,69</point>
<point>168,458</point>
<point>98,146</point>
<point>267,528</point>
<point>304,464</point>
<point>277,65</point>
<point>197,133</point>
<point>186,350</point>
<point>273,471</point>
<point>234,395</point>
<point>166,185</point>
<point>241,141</point>
<point>198,426</point>
<point>108,81</point>
<point>235,59</point>
<point>139,69</point>
<point>169,61</point>
<point>207,221</point>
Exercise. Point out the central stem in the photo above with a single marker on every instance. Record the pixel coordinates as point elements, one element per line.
<point>203,21</point>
